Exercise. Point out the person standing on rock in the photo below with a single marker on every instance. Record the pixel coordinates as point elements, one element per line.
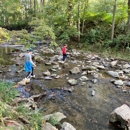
<point>29,65</point>
<point>64,52</point>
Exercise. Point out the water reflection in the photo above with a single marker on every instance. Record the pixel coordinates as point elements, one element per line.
<point>5,57</point>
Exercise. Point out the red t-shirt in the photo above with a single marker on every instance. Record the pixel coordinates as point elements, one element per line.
<point>64,50</point>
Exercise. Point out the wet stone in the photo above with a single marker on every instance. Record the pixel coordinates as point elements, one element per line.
<point>47,78</point>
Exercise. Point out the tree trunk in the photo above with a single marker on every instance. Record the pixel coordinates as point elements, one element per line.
<point>70,14</point>
<point>85,8</point>
<point>30,3</point>
<point>113,20</point>
<point>42,2</point>
<point>128,22</point>
<point>79,4</point>
<point>34,7</point>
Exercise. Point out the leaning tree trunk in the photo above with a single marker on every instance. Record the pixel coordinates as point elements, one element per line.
<point>113,21</point>
<point>128,22</point>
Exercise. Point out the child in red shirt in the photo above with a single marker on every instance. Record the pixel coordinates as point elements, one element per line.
<point>64,52</point>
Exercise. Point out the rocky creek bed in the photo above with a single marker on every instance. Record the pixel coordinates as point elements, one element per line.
<point>86,88</point>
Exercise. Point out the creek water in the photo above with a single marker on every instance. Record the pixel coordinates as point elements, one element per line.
<point>83,111</point>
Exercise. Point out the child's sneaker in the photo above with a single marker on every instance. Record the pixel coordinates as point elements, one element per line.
<point>32,76</point>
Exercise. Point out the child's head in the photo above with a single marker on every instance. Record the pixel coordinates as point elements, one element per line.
<point>30,50</point>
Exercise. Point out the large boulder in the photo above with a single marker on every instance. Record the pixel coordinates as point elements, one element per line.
<point>122,115</point>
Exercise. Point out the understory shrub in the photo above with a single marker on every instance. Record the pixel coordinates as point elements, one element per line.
<point>65,34</point>
<point>96,35</point>
<point>121,42</point>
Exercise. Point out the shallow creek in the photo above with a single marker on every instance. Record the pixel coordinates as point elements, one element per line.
<point>83,111</point>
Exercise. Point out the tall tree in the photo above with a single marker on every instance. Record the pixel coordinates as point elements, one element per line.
<point>128,21</point>
<point>84,12</point>
<point>70,12</point>
<point>113,20</point>
<point>79,6</point>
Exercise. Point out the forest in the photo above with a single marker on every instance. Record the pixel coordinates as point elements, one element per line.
<point>103,23</point>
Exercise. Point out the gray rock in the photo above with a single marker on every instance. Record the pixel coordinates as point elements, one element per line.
<point>48,63</point>
<point>38,58</point>
<point>128,83</point>
<point>55,66</point>
<point>126,66</point>
<point>93,92</point>
<point>58,115</point>
<point>94,80</point>
<point>83,78</point>
<point>75,70</point>
<point>100,67</point>
<point>47,78</point>
<point>47,73</point>
<point>58,50</point>
<point>72,81</point>
<point>53,75</point>
<point>126,70</point>
<point>48,126</point>
<point>84,73</point>
<point>113,74</point>
<point>67,126</point>
<point>89,68</point>
<point>113,63</point>
<point>121,114</point>
<point>118,82</point>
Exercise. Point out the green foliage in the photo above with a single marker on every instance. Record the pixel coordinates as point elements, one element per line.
<point>54,121</point>
<point>96,35</point>
<point>36,120</point>
<point>42,31</point>
<point>4,35</point>
<point>67,34</point>
<point>7,91</point>
<point>22,110</point>
<point>121,42</point>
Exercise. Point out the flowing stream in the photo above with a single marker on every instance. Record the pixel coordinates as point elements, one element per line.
<point>83,111</point>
